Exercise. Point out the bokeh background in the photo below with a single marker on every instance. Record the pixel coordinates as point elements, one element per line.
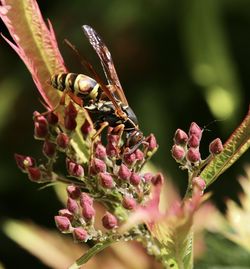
<point>178,61</point>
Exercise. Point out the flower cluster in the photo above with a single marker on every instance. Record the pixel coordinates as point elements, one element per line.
<point>186,147</point>
<point>109,175</point>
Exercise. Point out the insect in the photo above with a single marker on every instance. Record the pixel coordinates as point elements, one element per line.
<point>106,104</point>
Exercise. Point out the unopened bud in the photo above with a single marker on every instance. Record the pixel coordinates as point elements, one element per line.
<point>195,130</point>
<point>109,221</point>
<point>106,180</point>
<point>74,169</point>
<point>147,177</point>
<point>180,137</point>
<point>100,151</point>
<point>85,199</point>
<point>199,183</point>
<point>193,155</point>
<point>62,140</point>
<point>98,166</point>
<point>49,148</point>
<point>80,235</point>
<point>194,141</point>
<point>34,173</point>
<point>124,172</point>
<point>72,205</point>
<point>23,161</point>
<point>152,144</point>
<point>86,128</point>
<point>112,150</point>
<point>65,213</point>
<point>41,125</point>
<point>135,179</point>
<point>62,223</point>
<point>73,191</point>
<point>129,158</point>
<point>178,152</point>
<point>139,155</point>
<point>216,146</point>
<point>88,211</point>
<point>52,118</point>
<point>157,179</point>
<point>128,202</point>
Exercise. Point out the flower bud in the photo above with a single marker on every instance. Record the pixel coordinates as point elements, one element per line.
<point>135,179</point>
<point>49,148</point>
<point>106,180</point>
<point>180,137</point>
<point>113,139</point>
<point>65,213</point>
<point>128,202</point>
<point>88,211</point>
<point>195,130</point>
<point>124,172</point>
<point>129,158</point>
<point>98,166</point>
<point>85,199</point>
<point>152,144</point>
<point>41,125</point>
<point>139,155</point>
<point>216,146</point>
<point>80,235</point>
<point>147,177</point>
<point>72,205</point>
<point>62,140</point>
<point>52,118</point>
<point>193,141</point>
<point>157,179</point>
<point>24,161</point>
<point>178,152</point>
<point>100,151</point>
<point>193,155</point>
<point>109,221</point>
<point>199,183</point>
<point>34,173</point>
<point>86,128</point>
<point>74,169</point>
<point>112,150</point>
<point>62,223</point>
<point>73,191</point>
<point>69,123</point>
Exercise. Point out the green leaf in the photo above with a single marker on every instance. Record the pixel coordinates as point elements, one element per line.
<point>235,146</point>
<point>35,43</point>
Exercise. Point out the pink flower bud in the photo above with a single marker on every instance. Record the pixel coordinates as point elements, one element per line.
<point>106,180</point>
<point>80,235</point>
<point>98,166</point>
<point>178,152</point>
<point>88,211</point>
<point>41,125</point>
<point>194,141</point>
<point>195,130</point>
<point>129,158</point>
<point>216,146</point>
<point>147,177</point>
<point>113,139</point>
<point>70,110</point>
<point>139,155</point>
<point>65,213</point>
<point>152,144</point>
<point>100,151</point>
<point>73,191</point>
<point>135,179</point>
<point>49,148</point>
<point>180,137</point>
<point>85,199</point>
<point>72,205</point>
<point>34,173</point>
<point>74,169</point>
<point>112,150</point>
<point>193,155</point>
<point>199,183</point>
<point>62,223</point>
<point>128,202</point>
<point>69,123</point>
<point>23,161</point>
<point>124,172</point>
<point>86,128</point>
<point>52,118</point>
<point>62,140</point>
<point>109,221</point>
<point>157,179</point>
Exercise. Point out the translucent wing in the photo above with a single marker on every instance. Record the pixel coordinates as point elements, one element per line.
<point>106,61</point>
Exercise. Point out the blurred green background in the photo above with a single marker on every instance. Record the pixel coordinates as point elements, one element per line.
<point>178,62</point>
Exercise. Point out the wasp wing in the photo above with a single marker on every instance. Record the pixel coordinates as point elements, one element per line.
<point>106,61</point>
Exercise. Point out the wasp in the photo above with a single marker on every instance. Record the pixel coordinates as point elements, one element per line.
<point>106,104</point>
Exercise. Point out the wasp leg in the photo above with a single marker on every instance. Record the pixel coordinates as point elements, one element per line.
<point>119,130</point>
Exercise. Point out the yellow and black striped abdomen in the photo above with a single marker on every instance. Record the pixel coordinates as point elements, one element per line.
<point>79,84</point>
